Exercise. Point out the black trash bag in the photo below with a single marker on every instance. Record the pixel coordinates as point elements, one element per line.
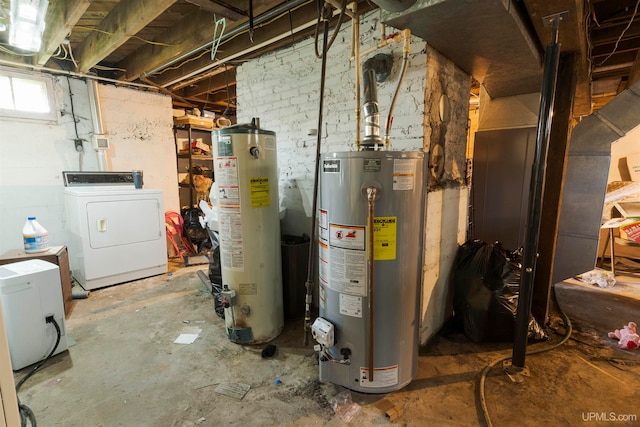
<point>215,272</point>
<point>485,298</point>
<point>192,229</point>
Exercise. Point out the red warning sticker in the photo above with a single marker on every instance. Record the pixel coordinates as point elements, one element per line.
<point>347,236</point>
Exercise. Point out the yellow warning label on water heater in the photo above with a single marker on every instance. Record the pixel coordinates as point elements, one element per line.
<point>259,194</point>
<point>384,243</point>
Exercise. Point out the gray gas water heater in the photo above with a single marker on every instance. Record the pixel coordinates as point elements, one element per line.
<point>370,261</point>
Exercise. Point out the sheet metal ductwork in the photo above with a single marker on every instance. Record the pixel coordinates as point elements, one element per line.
<point>492,40</point>
<point>394,5</point>
<point>585,182</point>
<point>375,69</point>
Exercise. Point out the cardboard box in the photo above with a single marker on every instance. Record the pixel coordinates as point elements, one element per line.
<point>633,164</point>
<point>632,230</point>
<point>204,122</point>
<point>56,255</point>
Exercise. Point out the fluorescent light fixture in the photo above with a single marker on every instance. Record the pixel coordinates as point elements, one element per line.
<point>27,24</point>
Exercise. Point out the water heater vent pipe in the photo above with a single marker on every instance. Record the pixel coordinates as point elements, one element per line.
<point>378,67</point>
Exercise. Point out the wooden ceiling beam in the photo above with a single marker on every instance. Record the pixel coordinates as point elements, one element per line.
<point>573,37</point>
<point>608,10</point>
<point>241,42</point>
<point>634,75</point>
<point>615,71</point>
<point>615,59</point>
<point>219,8</point>
<point>611,34</point>
<point>212,84</point>
<point>126,19</point>
<point>213,98</point>
<point>62,15</point>
<point>624,46</point>
<point>209,104</point>
<point>196,30</point>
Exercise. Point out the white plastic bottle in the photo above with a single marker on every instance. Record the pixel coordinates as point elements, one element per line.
<point>36,237</point>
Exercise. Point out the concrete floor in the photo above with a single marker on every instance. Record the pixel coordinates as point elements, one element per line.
<point>125,370</point>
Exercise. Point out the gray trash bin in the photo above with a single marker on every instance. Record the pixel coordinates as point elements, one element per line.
<point>295,254</point>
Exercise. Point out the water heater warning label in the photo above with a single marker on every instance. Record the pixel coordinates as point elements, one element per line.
<point>346,236</point>
<point>372,165</point>
<point>404,172</point>
<point>347,271</point>
<point>231,247</point>
<point>226,172</point>
<point>323,272</point>
<point>350,305</point>
<point>382,377</point>
<point>225,148</point>
<point>384,243</point>
<point>331,165</point>
<point>259,192</point>
<point>347,259</point>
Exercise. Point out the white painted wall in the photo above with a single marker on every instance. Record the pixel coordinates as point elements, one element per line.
<point>34,154</point>
<point>282,88</point>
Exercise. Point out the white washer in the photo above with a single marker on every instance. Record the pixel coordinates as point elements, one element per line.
<point>116,233</point>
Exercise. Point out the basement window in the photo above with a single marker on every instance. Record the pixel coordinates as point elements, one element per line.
<point>26,96</point>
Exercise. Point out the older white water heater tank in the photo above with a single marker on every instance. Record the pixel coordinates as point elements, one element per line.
<point>246,186</point>
<point>370,268</point>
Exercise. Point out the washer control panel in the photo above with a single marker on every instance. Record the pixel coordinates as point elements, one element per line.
<point>96,178</point>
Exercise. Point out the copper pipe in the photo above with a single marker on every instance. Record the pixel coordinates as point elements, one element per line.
<point>371,198</point>
<point>406,48</point>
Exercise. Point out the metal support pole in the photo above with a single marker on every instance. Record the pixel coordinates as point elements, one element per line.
<point>551,61</point>
<point>311,261</point>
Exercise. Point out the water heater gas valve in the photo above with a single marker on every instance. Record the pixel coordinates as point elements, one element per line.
<point>228,298</point>
<point>323,332</point>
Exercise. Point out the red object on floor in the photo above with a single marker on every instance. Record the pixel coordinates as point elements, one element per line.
<point>173,224</point>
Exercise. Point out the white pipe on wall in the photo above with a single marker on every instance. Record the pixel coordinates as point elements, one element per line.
<point>94,106</point>
<point>98,123</point>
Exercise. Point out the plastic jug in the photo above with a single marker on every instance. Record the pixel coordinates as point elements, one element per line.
<point>36,237</point>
